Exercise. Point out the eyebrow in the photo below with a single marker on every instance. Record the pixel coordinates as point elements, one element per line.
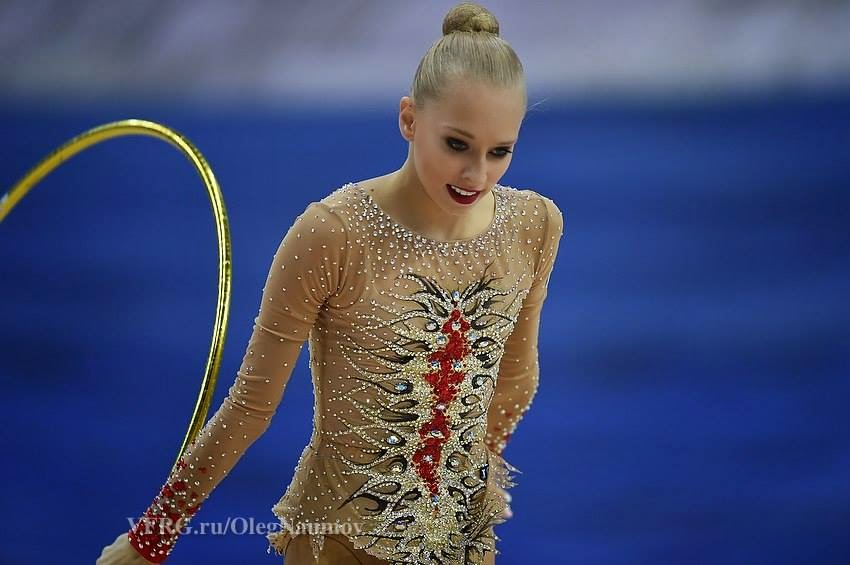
<point>470,136</point>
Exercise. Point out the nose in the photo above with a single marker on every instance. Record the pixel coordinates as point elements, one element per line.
<point>475,175</point>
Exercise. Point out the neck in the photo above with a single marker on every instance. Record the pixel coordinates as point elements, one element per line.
<point>404,198</point>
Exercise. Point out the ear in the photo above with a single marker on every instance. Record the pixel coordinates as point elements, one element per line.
<point>406,117</point>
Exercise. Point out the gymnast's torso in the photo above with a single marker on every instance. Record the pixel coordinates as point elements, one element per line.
<point>423,355</point>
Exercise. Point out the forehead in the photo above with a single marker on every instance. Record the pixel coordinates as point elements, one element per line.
<point>479,108</point>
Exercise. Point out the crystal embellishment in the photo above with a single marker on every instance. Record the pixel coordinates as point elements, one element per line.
<point>428,246</point>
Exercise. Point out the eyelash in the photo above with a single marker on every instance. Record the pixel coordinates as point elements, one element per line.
<point>450,141</point>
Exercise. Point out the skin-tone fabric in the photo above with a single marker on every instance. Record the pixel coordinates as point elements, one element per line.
<point>424,358</point>
<point>337,550</point>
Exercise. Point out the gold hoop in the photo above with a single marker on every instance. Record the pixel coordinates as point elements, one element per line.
<point>225,275</point>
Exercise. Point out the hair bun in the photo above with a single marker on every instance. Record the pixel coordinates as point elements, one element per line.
<point>470,17</point>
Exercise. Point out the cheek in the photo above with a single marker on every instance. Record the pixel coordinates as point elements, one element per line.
<point>495,170</point>
<point>435,165</point>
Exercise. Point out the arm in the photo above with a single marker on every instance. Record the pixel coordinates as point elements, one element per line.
<point>306,269</point>
<point>519,369</point>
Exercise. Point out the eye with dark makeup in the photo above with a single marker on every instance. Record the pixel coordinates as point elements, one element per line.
<point>458,146</point>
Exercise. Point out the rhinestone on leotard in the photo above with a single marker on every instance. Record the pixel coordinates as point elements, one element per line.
<point>415,361</point>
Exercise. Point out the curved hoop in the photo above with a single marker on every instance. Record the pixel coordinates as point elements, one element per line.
<point>153,129</point>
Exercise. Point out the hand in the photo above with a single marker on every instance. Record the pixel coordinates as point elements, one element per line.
<point>507,496</point>
<point>121,553</point>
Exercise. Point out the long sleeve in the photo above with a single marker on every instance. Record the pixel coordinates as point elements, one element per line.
<point>519,370</point>
<point>308,267</point>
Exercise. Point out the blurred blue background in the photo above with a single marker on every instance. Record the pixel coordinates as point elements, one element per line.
<point>696,339</point>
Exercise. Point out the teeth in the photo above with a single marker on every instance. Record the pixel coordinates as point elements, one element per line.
<point>461,192</point>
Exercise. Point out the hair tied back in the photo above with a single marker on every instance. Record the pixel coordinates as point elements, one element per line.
<point>470,17</point>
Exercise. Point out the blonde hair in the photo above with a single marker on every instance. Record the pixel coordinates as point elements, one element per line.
<point>469,48</point>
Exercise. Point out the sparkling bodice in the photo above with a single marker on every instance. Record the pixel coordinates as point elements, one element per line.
<point>423,356</point>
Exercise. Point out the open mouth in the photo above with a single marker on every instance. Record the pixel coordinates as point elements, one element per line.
<point>462,196</point>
